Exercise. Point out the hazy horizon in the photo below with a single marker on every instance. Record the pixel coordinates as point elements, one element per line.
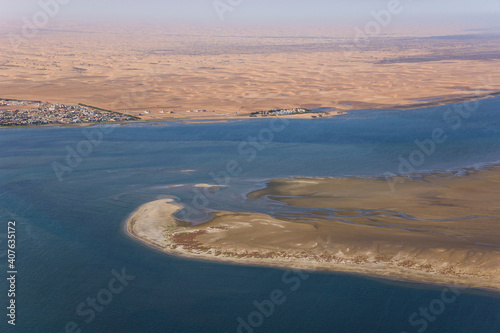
<point>425,14</point>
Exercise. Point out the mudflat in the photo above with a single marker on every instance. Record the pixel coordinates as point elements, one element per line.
<point>441,228</point>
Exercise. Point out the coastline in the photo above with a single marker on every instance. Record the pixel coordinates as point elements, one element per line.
<point>194,118</point>
<point>220,240</point>
<point>445,101</point>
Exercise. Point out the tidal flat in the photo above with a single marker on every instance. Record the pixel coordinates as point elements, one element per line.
<point>438,228</point>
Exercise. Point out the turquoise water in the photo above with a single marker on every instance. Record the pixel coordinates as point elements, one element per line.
<point>70,238</point>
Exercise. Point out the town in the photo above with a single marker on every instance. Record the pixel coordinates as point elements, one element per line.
<point>279,112</point>
<point>31,113</point>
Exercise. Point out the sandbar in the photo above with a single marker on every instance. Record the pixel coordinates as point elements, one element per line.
<point>439,229</point>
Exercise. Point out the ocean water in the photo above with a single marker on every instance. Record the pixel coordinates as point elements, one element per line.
<point>70,239</point>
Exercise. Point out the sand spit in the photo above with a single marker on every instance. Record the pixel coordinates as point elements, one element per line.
<point>375,241</point>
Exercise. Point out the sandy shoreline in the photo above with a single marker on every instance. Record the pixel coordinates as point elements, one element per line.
<point>227,75</point>
<point>200,119</point>
<point>259,239</point>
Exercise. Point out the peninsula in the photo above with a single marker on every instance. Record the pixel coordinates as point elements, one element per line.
<point>440,229</point>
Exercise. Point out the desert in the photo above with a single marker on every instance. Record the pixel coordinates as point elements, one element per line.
<point>162,73</point>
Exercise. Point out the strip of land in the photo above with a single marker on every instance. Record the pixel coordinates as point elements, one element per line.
<point>206,73</point>
<point>441,229</point>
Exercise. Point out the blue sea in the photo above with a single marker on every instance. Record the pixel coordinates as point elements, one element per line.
<point>70,189</point>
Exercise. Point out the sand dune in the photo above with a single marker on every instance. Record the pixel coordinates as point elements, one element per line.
<point>157,69</point>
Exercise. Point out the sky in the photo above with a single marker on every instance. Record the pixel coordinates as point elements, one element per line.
<point>474,14</point>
